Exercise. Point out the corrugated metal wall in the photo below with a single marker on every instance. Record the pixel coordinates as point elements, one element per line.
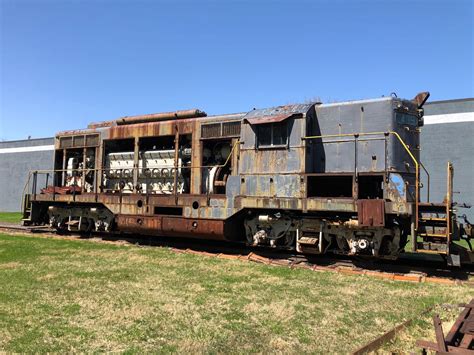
<point>17,158</point>
<point>448,135</point>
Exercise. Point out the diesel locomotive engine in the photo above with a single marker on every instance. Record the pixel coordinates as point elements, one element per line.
<point>342,177</point>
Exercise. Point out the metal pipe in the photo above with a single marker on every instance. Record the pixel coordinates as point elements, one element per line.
<point>163,116</point>
<point>35,178</point>
<point>350,140</point>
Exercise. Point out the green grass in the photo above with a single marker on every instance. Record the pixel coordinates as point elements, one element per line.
<point>10,217</point>
<point>63,295</point>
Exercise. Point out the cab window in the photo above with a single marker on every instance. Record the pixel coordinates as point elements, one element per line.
<point>272,135</point>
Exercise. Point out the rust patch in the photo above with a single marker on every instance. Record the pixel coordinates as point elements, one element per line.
<point>171,226</point>
<point>270,119</point>
<point>371,213</point>
<point>202,228</point>
<point>139,224</point>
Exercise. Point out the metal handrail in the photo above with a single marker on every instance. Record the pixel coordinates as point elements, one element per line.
<point>96,171</point>
<point>407,149</point>
<point>44,171</point>
<point>427,181</point>
<point>23,193</point>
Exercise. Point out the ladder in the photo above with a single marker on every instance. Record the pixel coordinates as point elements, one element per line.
<point>435,223</point>
<point>26,219</point>
<point>26,204</point>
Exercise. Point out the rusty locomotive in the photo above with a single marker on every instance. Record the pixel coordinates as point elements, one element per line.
<point>340,177</point>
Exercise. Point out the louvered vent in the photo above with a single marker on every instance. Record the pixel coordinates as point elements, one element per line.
<point>79,141</point>
<point>222,129</point>
<point>231,129</point>
<point>211,130</point>
<point>92,140</point>
<point>65,142</point>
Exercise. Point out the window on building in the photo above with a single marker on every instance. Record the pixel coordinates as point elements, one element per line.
<point>272,134</point>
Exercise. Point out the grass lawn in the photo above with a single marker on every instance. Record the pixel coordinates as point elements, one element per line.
<point>10,217</point>
<point>62,295</point>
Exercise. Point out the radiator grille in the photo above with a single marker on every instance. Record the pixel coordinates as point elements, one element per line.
<point>222,129</point>
<point>92,140</point>
<point>65,142</point>
<point>211,130</point>
<point>231,129</point>
<point>79,141</point>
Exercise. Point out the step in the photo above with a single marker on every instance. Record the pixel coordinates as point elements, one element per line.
<point>308,240</point>
<point>436,222</point>
<point>427,251</point>
<point>427,248</point>
<point>432,235</point>
<point>432,204</point>
<point>433,219</point>
<point>431,207</point>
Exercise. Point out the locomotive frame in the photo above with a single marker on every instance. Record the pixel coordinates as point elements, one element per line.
<point>341,177</point>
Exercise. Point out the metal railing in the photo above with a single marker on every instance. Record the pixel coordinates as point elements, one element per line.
<point>404,145</point>
<point>31,185</point>
<point>96,171</point>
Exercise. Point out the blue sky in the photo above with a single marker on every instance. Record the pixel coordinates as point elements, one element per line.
<point>67,63</point>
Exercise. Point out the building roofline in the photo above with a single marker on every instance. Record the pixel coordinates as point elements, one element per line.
<point>26,140</point>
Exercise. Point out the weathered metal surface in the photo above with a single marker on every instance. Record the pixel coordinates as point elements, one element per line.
<point>162,116</point>
<point>306,204</point>
<point>371,213</point>
<point>363,116</point>
<point>272,161</point>
<point>171,226</point>
<point>281,111</point>
<point>366,149</point>
<point>152,117</point>
<point>269,119</point>
<point>212,229</point>
<point>276,186</point>
<point>64,190</point>
<point>78,132</point>
<point>101,124</point>
<point>421,98</point>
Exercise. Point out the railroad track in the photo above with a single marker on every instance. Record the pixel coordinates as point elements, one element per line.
<point>409,267</point>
